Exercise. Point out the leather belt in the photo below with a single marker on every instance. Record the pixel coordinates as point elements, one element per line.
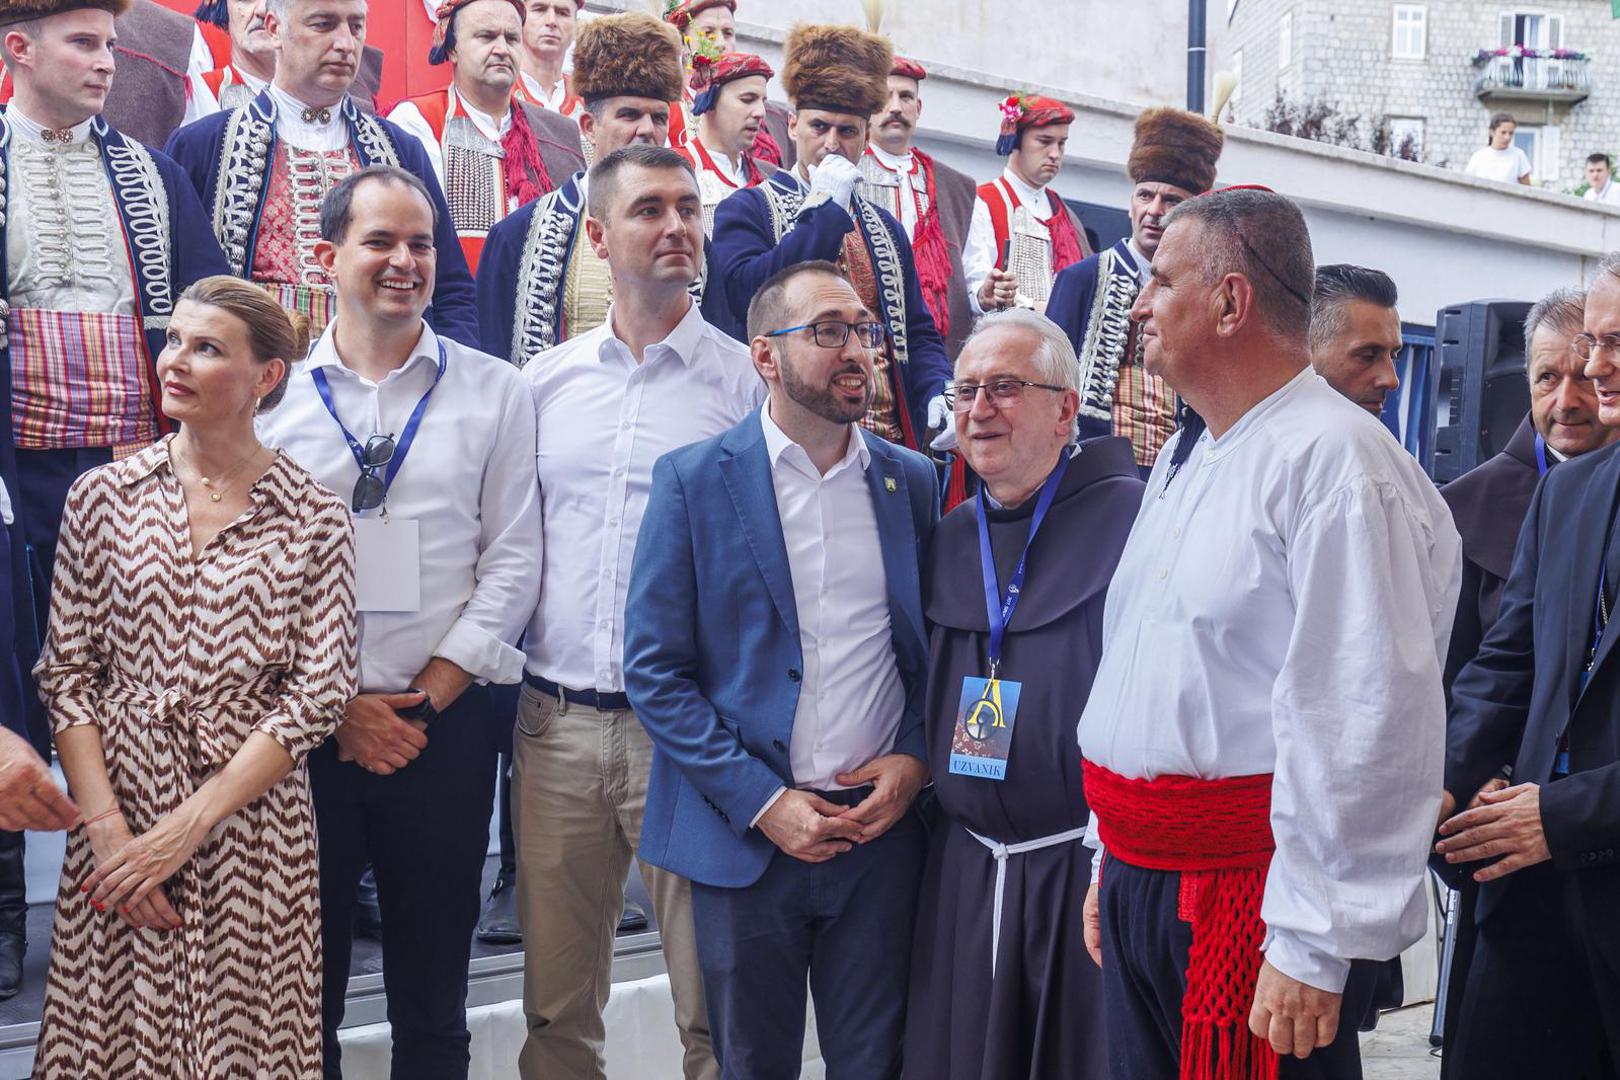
<point>593,699</point>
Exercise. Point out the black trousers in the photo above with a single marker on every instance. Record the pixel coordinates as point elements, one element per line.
<point>1543,991</point>
<point>424,830</point>
<point>845,926</point>
<point>1144,944</point>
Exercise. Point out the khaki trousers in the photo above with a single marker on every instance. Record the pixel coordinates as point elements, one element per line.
<point>579,788</point>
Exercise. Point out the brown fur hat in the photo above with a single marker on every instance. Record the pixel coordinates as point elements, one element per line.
<point>837,69</point>
<point>1175,147</point>
<point>629,55</point>
<point>16,11</point>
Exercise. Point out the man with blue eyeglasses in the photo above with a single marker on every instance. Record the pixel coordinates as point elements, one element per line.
<point>775,653</point>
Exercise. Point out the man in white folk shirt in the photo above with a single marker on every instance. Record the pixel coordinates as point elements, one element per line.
<point>434,444</point>
<point>1263,740</point>
<point>548,34</point>
<point>652,378</point>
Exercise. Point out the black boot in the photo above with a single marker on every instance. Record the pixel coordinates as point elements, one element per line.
<point>367,915</point>
<point>498,925</point>
<point>13,913</point>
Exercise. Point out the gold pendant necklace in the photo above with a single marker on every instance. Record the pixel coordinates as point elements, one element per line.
<point>218,488</point>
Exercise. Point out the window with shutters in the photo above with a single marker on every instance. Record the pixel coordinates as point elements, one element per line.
<point>1530,30</point>
<point>1411,35</point>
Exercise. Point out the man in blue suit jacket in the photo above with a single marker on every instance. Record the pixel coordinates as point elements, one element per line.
<point>775,653</point>
<point>1543,992</point>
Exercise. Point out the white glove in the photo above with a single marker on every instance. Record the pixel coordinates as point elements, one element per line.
<point>940,413</point>
<point>835,178</point>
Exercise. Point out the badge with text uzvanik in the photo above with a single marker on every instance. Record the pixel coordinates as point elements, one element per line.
<point>984,728</point>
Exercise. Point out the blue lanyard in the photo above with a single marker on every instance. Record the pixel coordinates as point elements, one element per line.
<point>1541,456</point>
<point>1000,608</point>
<point>406,437</point>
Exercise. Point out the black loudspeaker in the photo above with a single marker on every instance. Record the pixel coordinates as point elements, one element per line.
<point>1482,392</point>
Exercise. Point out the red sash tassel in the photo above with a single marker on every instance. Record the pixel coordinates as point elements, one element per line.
<point>526,175</point>
<point>1217,835</point>
<point>932,257</point>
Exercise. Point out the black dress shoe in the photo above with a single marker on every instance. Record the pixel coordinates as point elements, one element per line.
<point>498,925</point>
<point>12,947</point>
<point>634,919</point>
<point>367,915</point>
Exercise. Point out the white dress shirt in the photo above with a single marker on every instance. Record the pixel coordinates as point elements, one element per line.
<point>409,117</point>
<point>912,184</point>
<point>850,697</point>
<point>1283,607</point>
<point>467,480</point>
<point>980,253</point>
<point>292,128</point>
<point>604,420</point>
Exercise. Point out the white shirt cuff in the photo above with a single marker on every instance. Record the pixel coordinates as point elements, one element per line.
<point>1299,961</point>
<point>481,654</point>
<point>770,802</point>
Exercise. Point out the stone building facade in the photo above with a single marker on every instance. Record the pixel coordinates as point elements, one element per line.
<point>1413,68</point>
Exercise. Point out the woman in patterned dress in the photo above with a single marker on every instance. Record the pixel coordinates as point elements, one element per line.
<point>202,642</point>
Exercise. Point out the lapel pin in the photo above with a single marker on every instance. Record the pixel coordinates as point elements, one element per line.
<point>888,485</point>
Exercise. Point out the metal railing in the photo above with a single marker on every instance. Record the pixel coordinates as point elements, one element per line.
<point>1534,76</point>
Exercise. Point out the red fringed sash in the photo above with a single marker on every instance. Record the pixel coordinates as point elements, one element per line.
<point>526,175</point>
<point>932,257</point>
<point>764,149</point>
<point>1217,835</point>
<point>1067,248</point>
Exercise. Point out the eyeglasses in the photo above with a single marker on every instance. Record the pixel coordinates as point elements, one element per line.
<point>1002,392</point>
<point>1588,345</point>
<point>371,489</point>
<point>833,335</point>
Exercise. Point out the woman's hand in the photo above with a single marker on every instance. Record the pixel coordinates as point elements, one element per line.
<point>130,870</point>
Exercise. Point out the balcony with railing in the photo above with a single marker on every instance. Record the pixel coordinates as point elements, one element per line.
<point>1552,75</point>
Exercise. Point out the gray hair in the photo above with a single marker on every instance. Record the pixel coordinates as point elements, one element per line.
<point>1054,358</point>
<point>1262,236</point>
<point>1562,310</point>
<point>1337,285</point>
<point>1610,264</point>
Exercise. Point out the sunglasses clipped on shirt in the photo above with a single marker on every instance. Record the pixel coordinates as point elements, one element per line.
<point>370,488</point>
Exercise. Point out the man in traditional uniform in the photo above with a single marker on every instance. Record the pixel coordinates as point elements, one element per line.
<point>730,107</point>
<point>1262,741</point>
<point>541,284</point>
<point>837,78</point>
<point>225,79</point>
<point>548,34</point>
<point>491,152</point>
<point>251,66</point>
<point>99,235</point>
<point>708,30</point>
<point>1173,157</point>
<point>1489,504</point>
<point>265,168</point>
<point>1023,233</point>
<point>931,200</point>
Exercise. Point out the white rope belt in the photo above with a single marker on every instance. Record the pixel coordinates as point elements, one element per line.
<point>999,852</point>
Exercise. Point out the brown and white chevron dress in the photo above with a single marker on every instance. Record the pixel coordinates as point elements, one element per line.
<point>177,660</point>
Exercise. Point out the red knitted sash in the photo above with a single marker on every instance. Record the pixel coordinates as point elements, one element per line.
<point>1066,246</point>
<point>1217,835</point>
<point>932,257</point>
<point>526,175</point>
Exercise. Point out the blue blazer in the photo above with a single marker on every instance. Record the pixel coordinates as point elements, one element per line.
<point>1511,703</point>
<point>712,662</point>
<point>199,147</point>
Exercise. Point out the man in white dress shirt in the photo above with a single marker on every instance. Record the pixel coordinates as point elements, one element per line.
<point>434,444</point>
<point>1263,740</point>
<point>652,378</point>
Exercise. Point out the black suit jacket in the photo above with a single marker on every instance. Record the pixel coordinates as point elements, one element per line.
<point>1488,505</point>
<point>1515,699</point>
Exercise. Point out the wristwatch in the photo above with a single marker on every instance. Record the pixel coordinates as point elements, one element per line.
<point>423,710</point>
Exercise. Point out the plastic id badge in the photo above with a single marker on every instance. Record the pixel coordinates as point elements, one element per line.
<point>984,728</point>
<point>387,564</point>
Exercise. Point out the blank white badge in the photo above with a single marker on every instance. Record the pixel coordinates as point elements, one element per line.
<point>387,564</point>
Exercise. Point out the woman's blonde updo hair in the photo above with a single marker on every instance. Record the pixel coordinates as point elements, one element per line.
<point>273,331</point>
